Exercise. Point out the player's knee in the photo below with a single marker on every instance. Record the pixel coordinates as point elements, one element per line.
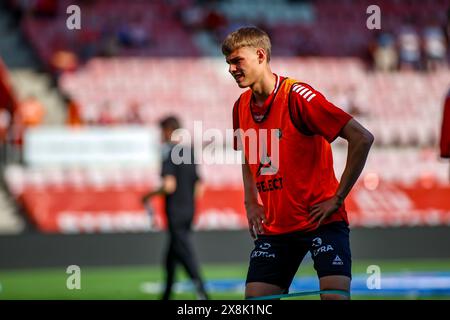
<point>259,289</point>
<point>338,283</point>
<point>327,296</point>
<point>252,292</point>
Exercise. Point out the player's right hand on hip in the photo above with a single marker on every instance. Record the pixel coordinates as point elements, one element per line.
<point>256,219</point>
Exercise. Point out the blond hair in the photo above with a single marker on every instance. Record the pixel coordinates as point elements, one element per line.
<point>247,37</point>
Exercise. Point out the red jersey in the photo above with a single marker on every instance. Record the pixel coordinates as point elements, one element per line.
<point>293,166</point>
<point>445,130</point>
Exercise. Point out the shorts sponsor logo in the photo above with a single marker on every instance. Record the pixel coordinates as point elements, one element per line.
<point>317,242</point>
<point>264,246</point>
<point>337,261</point>
<point>322,249</point>
<point>262,254</point>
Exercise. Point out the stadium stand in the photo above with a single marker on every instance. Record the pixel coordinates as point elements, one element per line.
<point>315,27</point>
<point>105,19</point>
<point>397,188</point>
<point>380,100</point>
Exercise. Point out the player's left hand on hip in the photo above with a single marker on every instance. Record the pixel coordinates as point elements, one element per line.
<point>323,210</point>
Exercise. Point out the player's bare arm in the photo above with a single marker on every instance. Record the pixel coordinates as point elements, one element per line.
<point>168,186</point>
<point>359,143</point>
<point>199,190</point>
<point>255,211</point>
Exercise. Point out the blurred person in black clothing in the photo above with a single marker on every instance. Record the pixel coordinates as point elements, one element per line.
<point>180,186</point>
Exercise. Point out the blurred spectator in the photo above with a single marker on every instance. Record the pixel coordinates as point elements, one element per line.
<point>123,35</point>
<point>435,47</point>
<point>106,118</point>
<point>87,42</point>
<point>204,16</point>
<point>133,34</point>
<point>134,116</point>
<point>64,60</point>
<point>73,117</point>
<point>7,98</point>
<point>5,125</point>
<point>31,112</point>
<point>109,44</point>
<point>384,53</point>
<point>306,45</point>
<point>5,122</point>
<point>40,8</point>
<point>45,8</point>
<point>139,36</point>
<point>90,115</point>
<point>214,21</point>
<point>192,18</point>
<point>409,48</point>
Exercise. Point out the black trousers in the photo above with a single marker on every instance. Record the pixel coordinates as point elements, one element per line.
<point>180,251</point>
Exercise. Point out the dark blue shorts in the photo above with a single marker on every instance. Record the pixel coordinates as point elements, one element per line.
<point>276,258</point>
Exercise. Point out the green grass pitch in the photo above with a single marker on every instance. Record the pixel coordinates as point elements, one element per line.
<point>126,282</point>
